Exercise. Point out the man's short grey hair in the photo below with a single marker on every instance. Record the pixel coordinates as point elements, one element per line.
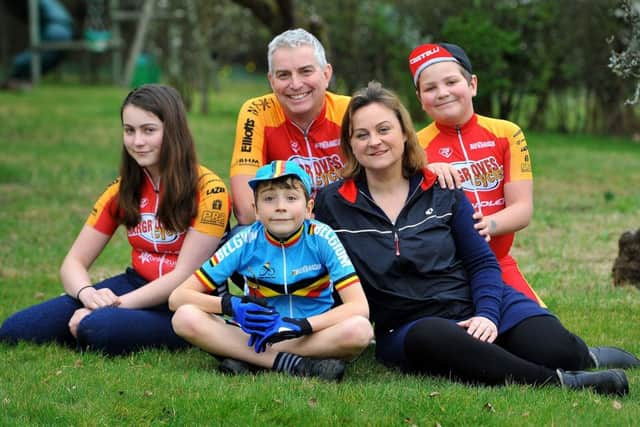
<point>296,38</point>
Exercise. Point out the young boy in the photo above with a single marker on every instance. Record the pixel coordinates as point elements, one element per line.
<point>490,155</point>
<point>291,265</point>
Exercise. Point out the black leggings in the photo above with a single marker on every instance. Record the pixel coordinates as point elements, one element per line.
<point>529,353</point>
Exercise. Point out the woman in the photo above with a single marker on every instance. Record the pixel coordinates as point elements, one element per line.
<point>434,287</point>
<point>175,212</point>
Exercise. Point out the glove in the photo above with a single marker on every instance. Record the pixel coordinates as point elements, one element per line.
<point>285,328</point>
<point>254,315</point>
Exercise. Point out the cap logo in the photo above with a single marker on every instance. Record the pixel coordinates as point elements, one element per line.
<point>424,55</point>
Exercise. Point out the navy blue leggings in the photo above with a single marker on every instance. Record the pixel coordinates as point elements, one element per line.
<point>528,353</point>
<point>110,330</point>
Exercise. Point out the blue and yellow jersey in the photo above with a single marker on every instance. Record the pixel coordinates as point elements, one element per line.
<point>296,275</point>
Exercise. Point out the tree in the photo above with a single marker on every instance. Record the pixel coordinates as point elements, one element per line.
<point>626,63</point>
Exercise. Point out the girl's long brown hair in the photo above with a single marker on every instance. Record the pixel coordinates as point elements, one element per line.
<point>178,162</point>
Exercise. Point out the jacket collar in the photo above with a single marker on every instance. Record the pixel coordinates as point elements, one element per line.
<point>350,187</point>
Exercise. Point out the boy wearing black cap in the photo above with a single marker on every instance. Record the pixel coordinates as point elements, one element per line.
<point>291,265</point>
<point>492,160</point>
<point>490,155</point>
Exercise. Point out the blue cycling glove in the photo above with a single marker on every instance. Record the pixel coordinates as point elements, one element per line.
<point>284,328</point>
<point>253,314</point>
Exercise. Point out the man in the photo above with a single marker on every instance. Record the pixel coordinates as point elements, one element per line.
<point>299,121</point>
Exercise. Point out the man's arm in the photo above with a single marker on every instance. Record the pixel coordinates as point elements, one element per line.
<point>242,199</point>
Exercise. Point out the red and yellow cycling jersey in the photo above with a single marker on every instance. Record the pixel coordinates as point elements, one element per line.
<point>264,134</point>
<point>154,249</point>
<point>489,153</point>
<point>496,153</point>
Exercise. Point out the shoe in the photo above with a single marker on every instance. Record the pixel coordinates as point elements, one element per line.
<point>326,369</point>
<point>231,366</point>
<point>612,381</point>
<point>613,357</point>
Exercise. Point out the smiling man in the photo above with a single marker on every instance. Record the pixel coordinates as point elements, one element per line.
<point>299,121</point>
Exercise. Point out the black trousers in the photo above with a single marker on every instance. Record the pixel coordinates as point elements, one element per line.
<point>529,353</point>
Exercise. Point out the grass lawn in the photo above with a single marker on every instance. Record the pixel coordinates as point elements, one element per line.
<point>59,148</point>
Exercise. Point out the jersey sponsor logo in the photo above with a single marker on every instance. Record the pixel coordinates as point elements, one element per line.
<point>152,231</point>
<point>295,146</point>
<point>144,202</point>
<point>213,218</point>
<point>147,258</point>
<point>266,271</point>
<point>482,175</point>
<point>327,144</point>
<point>259,105</point>
<point>216,190</point>
<point>247,136</point>
<point>334,243</point>
<point>525,166</point>
<point>424,55</point>
<point>247,162</point>
<point>482,144</point>
<point>306,269</point>
<point>445,152</point>
<point>488,203</point>
<point>322,170</point>
<point>216,205</point>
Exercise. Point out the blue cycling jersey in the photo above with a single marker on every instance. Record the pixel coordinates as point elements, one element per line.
<point>297,275</point>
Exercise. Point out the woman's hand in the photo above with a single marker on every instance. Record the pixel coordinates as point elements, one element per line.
<point>75,320</point>
<point>480,328</point>
<point>448,176</point>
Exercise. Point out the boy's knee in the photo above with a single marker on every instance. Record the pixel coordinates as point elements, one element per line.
<point>357,332</point>
<point>185,320</point>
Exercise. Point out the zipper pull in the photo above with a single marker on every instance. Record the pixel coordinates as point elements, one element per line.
<point>396,241</point>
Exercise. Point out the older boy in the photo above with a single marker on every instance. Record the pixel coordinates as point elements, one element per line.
<point>490,155</point>
<point>292,264</point>
<point>492,159</point>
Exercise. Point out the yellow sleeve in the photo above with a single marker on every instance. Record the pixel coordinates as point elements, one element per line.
<point>214,204</point>
<point>426,135</point>
<point>249,146</point>
<point>519,166</point>
<point>103,216</point>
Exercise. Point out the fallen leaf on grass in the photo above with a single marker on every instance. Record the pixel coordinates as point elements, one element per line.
<point>616,405</point>
<point>78,363</point>
<point>489,407</point>
<point>148,393</point>
<point>313,402</point>
<point>434,394</point>
<point>525,414</point>
<point>410,422</point>
<point>39,295</point>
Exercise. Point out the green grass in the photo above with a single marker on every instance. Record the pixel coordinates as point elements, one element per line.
<point>59,148</point>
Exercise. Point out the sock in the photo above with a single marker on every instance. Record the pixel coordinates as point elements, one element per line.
<point>286,362</point>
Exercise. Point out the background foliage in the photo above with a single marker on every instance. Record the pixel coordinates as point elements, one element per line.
<point>541,63</point>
